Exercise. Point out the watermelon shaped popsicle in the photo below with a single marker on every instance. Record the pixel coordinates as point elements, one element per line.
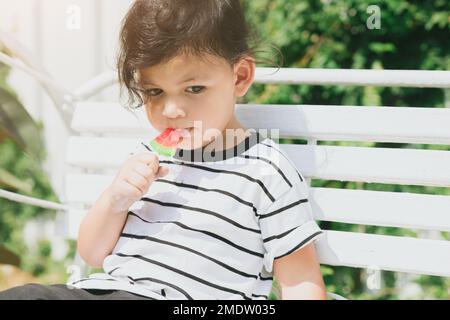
<point>165,143</point>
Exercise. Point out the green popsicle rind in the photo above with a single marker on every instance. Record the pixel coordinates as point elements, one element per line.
<point>162,150</point>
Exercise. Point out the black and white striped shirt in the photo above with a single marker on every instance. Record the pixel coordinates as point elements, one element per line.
<point>212,227</point>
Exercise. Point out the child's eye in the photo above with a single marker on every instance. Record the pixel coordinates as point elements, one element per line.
<point>197,89</point>
<point>155,92</point>
<point>151,92</point>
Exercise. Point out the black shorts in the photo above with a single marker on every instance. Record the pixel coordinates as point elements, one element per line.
<point>34,291</point>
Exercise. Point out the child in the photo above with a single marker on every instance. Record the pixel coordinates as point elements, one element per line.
<point>228,211</point>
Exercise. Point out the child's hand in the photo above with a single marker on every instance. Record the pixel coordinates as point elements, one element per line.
<point>133,180</point>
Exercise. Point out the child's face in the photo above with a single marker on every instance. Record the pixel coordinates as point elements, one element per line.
<point>187,92</point>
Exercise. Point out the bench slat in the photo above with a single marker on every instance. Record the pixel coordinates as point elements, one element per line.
<point>343,123</point>
<point>379,208</point>
<point>354,77</point>
<point>350,123</point>
<point>403,254</point>
<point>85,188</point>
<point>108,117</point>
<point>381,165</point>
<point>384,165</point>
<point>99,152</point>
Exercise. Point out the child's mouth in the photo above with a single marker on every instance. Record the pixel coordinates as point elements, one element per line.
<point>185,132</point>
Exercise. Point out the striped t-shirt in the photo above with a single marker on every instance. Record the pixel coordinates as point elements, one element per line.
<point>211,228</point>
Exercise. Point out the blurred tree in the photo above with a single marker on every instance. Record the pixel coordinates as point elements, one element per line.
<point>334,34</point>
<point>22,152</point>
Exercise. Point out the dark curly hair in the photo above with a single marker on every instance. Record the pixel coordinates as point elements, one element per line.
<point>155,31</point>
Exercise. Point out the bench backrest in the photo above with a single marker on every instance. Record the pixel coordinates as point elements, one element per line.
<point>107,133</point>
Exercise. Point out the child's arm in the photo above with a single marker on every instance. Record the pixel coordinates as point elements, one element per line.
<point>298,275</point>
<point>99,230</point>
<point>101,227</point>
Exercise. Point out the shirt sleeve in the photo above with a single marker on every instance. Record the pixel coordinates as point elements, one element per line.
<point>287,224</point>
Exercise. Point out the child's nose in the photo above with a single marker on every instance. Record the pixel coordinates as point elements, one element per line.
<point>173,110</point>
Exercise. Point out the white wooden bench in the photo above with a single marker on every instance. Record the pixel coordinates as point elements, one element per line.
<point>106,134</point>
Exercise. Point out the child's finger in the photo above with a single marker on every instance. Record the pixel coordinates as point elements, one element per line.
<point>162,171</point>
<point>137,181</point>
<point>147,158</point>
<point>144,170</point>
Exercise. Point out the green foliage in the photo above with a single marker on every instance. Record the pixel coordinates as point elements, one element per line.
<point>29,179</point>
<point>333,34</point>
<point>13,216</point>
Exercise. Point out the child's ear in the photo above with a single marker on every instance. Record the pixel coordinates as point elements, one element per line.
<point>244,72</point>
